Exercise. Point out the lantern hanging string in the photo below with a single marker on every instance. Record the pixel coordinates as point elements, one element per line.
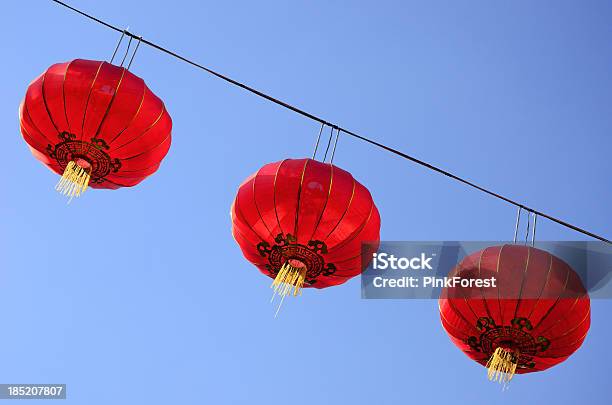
<point>126,51</point>
<point>528,222</point>
<point>331,159</point>
<point>331,135</point>
<point>118,44</point>
<point>535,221</point>
<point>314,154</point>
<point>518,221</point>
<point>134,53</point>
<point>334,126</point>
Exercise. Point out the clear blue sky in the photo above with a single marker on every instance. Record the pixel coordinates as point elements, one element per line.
<point>156,305</point>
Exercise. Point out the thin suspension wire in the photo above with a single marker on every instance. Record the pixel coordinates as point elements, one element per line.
<point>118,44</point>
<point>331,134</point>
<point>126,51</point>
<point>346,131</point>
<point>318,139</point>
<point>331,160</point>
<point>528,223</point>
<point>134,53</point>
<point>518,220</point>
<point>535,221</point>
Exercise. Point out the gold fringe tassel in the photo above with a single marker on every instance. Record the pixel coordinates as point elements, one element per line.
<point>288,281</point>
<point>502,365</point>
<point>74,181</point>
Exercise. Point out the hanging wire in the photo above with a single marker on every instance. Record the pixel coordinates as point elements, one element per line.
<point>134,53</point>
<point>318,139</point>
<point>331,160</point>
<point>331,134</point>
<point>346,131</point>
<point>518,220</point>
<point>126,51</point>
<point>528,222</point>
<point>535,221</point>
<point>118,44</point>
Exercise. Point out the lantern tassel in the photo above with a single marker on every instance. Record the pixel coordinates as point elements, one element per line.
<point>288,281</point>
<point>502,365</point>
<point>74,181</point>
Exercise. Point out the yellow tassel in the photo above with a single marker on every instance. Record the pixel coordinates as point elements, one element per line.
<point>288,281</point>
<point>502,365</point>
<point>74,181</point>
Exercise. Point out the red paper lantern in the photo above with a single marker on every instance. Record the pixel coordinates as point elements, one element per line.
<point>95,124</point>
<point>302,223</point>
<point>535,318</point>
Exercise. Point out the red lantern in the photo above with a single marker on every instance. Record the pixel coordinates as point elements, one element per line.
<point>95,124</point>
<point>302,223</point>
<point>535,318</point>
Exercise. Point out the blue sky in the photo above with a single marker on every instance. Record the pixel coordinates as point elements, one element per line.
<point>156,305</point>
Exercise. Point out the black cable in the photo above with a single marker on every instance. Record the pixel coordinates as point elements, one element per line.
<point>333,126</point>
